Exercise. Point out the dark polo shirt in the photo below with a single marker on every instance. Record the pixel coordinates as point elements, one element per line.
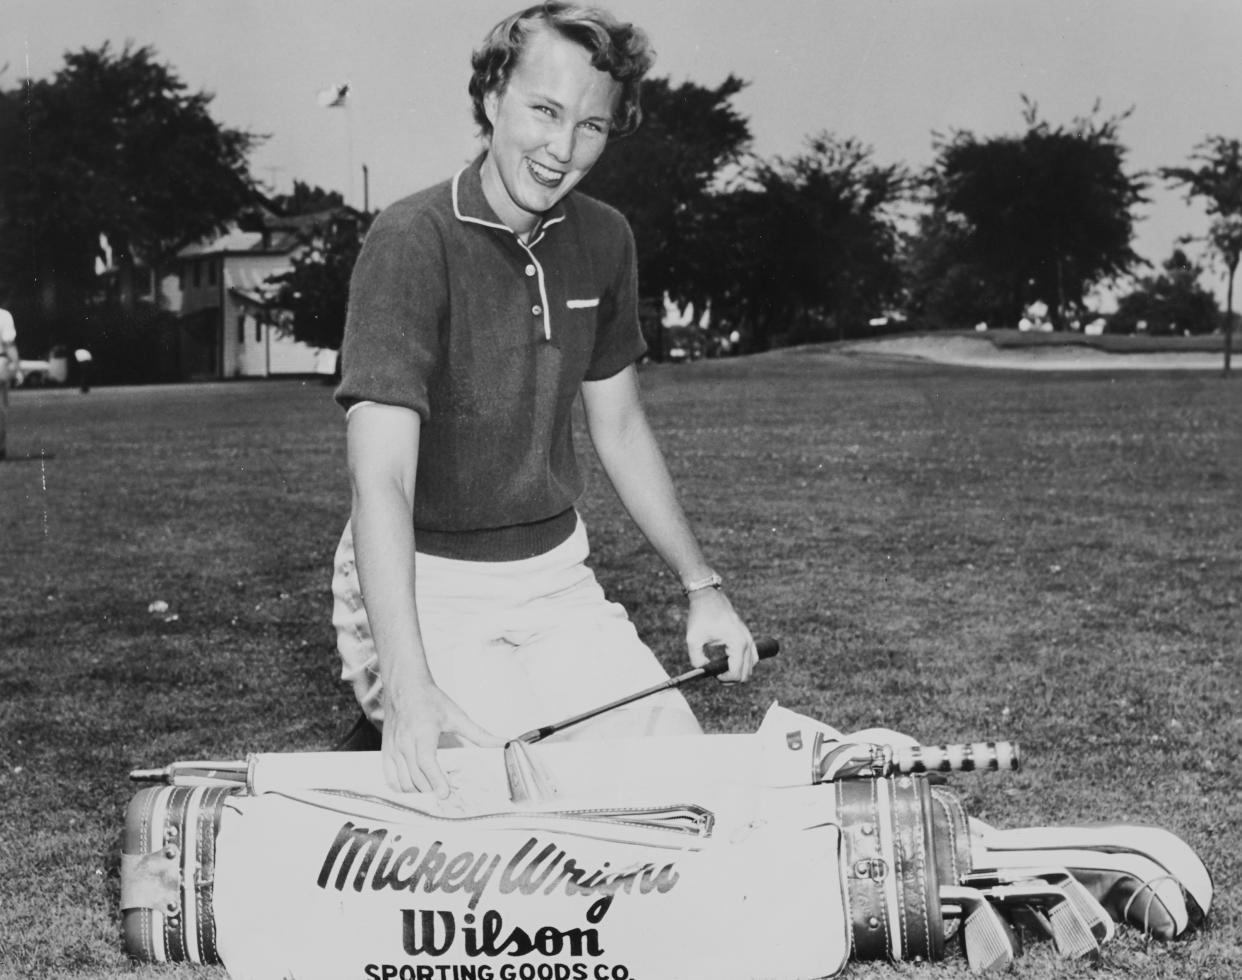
<point>489,340</point>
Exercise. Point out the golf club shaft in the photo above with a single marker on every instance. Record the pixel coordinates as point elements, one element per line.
<point>716,666</point>
<point>193,773</point>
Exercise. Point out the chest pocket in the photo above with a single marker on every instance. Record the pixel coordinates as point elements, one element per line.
<point>573,333</point>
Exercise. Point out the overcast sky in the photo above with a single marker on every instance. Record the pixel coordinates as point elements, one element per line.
<point>890,73</point>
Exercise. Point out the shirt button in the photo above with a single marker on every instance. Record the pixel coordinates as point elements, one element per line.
<point>530,270</point>
<point>536,309</point>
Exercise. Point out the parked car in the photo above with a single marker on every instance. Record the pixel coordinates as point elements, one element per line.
<point>36,372</point>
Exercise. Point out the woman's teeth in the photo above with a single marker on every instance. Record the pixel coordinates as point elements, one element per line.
<point>544,175</point>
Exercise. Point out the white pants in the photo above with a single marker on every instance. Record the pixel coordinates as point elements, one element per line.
<point>517,644</point>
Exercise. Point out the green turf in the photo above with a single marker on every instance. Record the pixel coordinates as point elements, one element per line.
<point>961,554</point>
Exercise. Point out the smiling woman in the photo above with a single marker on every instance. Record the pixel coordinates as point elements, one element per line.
<point>481,310</point>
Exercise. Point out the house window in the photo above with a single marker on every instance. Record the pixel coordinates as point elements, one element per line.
<point>211,272</point>
<point>258,330</point>
<point>198,272</point>
<point>241,328</point>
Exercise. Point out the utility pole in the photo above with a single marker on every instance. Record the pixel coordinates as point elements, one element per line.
<point>366,189</point>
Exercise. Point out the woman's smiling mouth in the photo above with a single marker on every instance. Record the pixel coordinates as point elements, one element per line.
<point>544,175</point>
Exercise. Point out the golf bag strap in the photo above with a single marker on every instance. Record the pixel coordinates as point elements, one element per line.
<point>864,867</point>
<point>915,867</point>
<point>152,881</point>
<point>889,864</point>
<point>951,835</point>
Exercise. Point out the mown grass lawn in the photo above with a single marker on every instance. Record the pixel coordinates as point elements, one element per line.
<point>956,553</point>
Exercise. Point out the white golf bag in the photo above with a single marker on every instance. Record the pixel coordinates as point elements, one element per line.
<point>776,855</point>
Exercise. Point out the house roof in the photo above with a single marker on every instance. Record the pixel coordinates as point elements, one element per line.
<point>261,231</point>
<point>235,240</point>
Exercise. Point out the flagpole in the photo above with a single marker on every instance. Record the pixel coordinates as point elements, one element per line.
<point>336,97</point>
<point>349,150</point>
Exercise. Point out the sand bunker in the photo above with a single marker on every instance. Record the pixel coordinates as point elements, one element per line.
<point>981,352</point>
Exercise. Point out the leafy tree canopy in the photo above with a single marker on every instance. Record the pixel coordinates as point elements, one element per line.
<point>808,244</point>
<point>314,293</point>
<point>1172,301</point>
<point>662,177</point>
<point>1043,215</point>
<point>113,145</point>
<point>1217,180</point>
<point>307,199</point>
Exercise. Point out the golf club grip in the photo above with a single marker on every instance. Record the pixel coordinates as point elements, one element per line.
<point>719,662</point>
<point>963,757</point>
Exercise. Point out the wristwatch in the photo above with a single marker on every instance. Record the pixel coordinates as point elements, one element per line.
<point>712,581</point>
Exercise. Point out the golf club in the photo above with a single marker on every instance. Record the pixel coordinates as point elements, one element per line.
<point>1154,843</point>
<point>1051,907</point>
<point>531,783</point>
<point>765,648</point>
<point>1089,908</point>
<point>1133,888</point>
<point>988,940</point>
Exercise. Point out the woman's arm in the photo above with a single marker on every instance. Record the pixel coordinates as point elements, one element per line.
<point>382,446</point>
<point>632,459</point>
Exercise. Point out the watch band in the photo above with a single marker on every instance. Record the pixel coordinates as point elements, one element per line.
<point>712,581</point>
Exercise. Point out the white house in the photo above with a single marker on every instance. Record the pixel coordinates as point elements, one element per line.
<point>227,330</point>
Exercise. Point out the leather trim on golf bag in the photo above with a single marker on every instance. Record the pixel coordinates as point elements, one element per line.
<point>951,835</point>
<point>168,857</point>
<point>892,832</point>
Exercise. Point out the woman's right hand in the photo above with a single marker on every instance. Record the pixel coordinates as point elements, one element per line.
<point>412,727</point>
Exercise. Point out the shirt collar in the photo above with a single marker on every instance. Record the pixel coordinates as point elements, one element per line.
<point>470,203</point>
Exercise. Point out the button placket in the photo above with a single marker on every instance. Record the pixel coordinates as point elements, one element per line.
<point>539,308</point>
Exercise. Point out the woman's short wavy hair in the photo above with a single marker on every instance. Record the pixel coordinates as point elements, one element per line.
<point>622,50</point>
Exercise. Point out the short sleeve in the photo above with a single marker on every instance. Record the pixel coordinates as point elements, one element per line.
<point>397,301</point>
<point>619,336</point>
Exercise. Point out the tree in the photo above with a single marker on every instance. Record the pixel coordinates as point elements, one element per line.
<point>307,199</point>
<point>112,149</point>
<point>1218,181</point>
<point>807,246</point>
<point>1171,302</point>
<point>315,291</point>
<point>662,177</point>
<point>1044,215</point>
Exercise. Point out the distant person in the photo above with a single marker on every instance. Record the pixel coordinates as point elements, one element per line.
<point>9,363</point>
<point>84,361</point>
<point>480,310</point>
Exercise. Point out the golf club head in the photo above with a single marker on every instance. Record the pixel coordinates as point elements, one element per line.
<point>987,939</point>
<point>1132,888</point>
<point>1155,844</point>
<point>1088,907</point>
<point>530,782</point>
<point>1070,933</point>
